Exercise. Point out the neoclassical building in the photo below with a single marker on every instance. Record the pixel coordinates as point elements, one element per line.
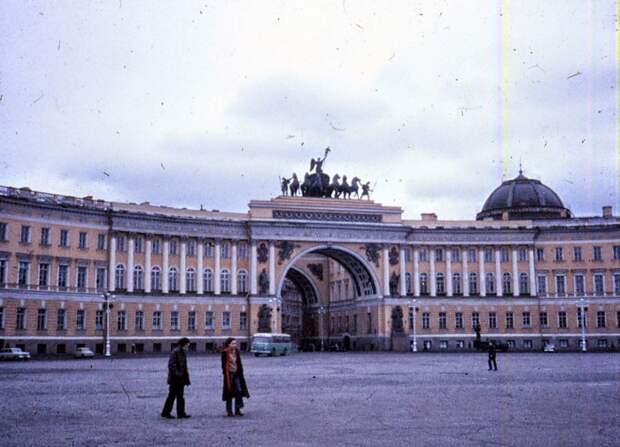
<point>82,272</point>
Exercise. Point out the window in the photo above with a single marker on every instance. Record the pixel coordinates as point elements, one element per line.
<point>488,255</point>
<point>1,317</point>
<point>563,343</point>
<point>442,320</point>
<point>490,283</point>
<point>456,283</point>
<point>507,283</point>
<point>101,241</point>
<point>504,254</point>
<point>3,231</point>
<point>2,272</point>
<point>473,283</point>
<point>225,250</point>
<point>45,236</point>
<point>581,319</point>
<point>509,320</point>
<point>407,284</point>
<point>522,255</point>
<point>439,255</point>
<point>121,320</point>
<point>559,254</point>
<point>511,344</point>
<point>191,248</point>
<point>458,320</point>
<point>423,256</point>
<point>120,243</point>
<point>82,241</point>
<point>426,320</point>
<point>208,280</point>
<point>209,323</point>
<point>25,237</point>
<point>542,285</point>
<point>560,285</point>
<point>562,320</point>
<point>243,321</point>
<point>601,343</point>
<point>439,280</point>
<point>225,281</point>
<point>100,279</point>
<point>456,255</point>
<point>119,280</point>
<point>527,344</point>
<point>157,320</point>
<point>190,280</point>
<point>41,320</point>
<point>209,249</point>
<point>618,318</point>
<point>139,320</point>
<point>524,285</point>
<point>471,255</point>
<point>577,254</point>
<point>63,274</point>
<point>598,284</point>
<point>601,320</point>
<point>225,320</point>
<point>475,319</point>
<point>407,254</point>
<point>61,320</point>
<point>597,253</point>
<point>174,320</point>
<point>616,249</point>
<point>99,320</point>
<point>527,322</point>
<point>64,238</point>
<point>616,283</point>
<point>172,280</point>
<point>492,320</point>
<point>540,254</point>
<point>20,322</point>
<point>138,274</point>
<point>243,250</point>
<point>156,246</point>
<point>544,322</point>
<point>23,273</point>
<point>423,284</point>
<point>138,245</point>
<point>82,277</point>
<point>172,249</point>
<point>242,282</point>
<point>443,344</point>
<point>156,278</point>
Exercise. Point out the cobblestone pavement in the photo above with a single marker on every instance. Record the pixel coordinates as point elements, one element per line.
<point>314,399</point>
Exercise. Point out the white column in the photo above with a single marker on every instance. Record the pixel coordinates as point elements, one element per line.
<point>183,267</point>
<point>403,271</point>
<point>233,269</point>
<point>533,290</point>
<point>165,267</point>
<point>272,268</point>
<point>131,244</point>
<point>386,273</point>
<point>449,271</point>
<point>112,266</point>
<point>431,254</point>
<point>482,273</point>
<point>217,272</point>
<point>148,252</point>
<point>515,273</point>
<point>416,271</point>
<point>200,267</point>
<point>464,259</point>
<point>253,288</point>
<point>498,273</point>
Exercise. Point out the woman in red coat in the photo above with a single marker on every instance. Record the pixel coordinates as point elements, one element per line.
<point>234,382</point>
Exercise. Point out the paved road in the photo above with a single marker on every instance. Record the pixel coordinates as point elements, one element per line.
<point>315,399</point>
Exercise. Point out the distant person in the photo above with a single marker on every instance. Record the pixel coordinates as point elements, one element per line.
<point>178,378</point>
<point>492,356</point>
<point>234,381</point>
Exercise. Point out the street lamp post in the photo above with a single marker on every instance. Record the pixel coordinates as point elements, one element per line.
<point>415,338</point>
<point>583,324</point>
<point>107,305</point>
<point>321,313</point>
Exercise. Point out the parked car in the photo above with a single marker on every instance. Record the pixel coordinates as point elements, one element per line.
<point>82,353</point>
<point>14,354</point>
<point>549,347</point>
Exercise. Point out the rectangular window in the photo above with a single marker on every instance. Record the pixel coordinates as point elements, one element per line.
<point>209,249</point>
<point>488,255</point>
<point>209,323</point>
<point>460,344</point>
<point>510,324</point>
<point>101,241</point>
<point>64,238</point>
<point>524,286</point>
<point>24,273</point>
<point>473,283</point>
<point>456,255</point>
<point>81,277</point>
<point>490,282</point>
<point>527,344</point>
<point>618,318</point>
<point>438,255</point>
<point>443,344</point>
<point>156,246</point>
<point>562,324</point>
<point>471,255</point>
<point>563,343</point>
<point>80,319</point>
<point>598,284</point>
<point>601,320</point>
<point>601,343</point>
<point>44,269</point>
<point>25,237</point>
<point>577,254</point>
<point>540,254</point>
<point>99,320</point>
<point>560,285</point>
<point>243,250</point>
<point>492,320</point>
<point>157,320</point>
<point>191,248</point>
<point>172,247</point>
<point>63,274</point>
<point>41,320</point>
<point>82,242</point>
<point>542,285</point>
<point>225,250</point>
<point>3,232</point>
<point>616,250</point>
<point>527,322</point>
<point>423,255</point>
<point>582,317</point>
<point>121,320</point>
<point>225,320</point>
<point>504,255</point>
<point>442,320</point>
<point>1,317</point>
<point>100,280</point>
<point>579,285</point>
<point>174,320</point>
<point>243,321</point>
<point>459,320</point>
<point>522,255</point>
<point>597,253</point>
<point>45,236</point>
<point>61,320</point>
<point>407,254</point>
<point>120,243</point>
<point>138,245</point>
<point>616,283</point>
<point>191,320</point>
<point>3,272</point>
<point>559,254</point>
<point>426,320</point>
<point>475,319</point>
<point>544,322</point>
<point>139,320</point>
<point>20,322</point>
<point>456,283</point>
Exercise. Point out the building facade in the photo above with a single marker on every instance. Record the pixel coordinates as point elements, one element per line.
<point>82,272</point>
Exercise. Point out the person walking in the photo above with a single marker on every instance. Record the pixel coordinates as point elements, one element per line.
<point>178,378</point>
<point>234,381</point>
<point>492,355</point>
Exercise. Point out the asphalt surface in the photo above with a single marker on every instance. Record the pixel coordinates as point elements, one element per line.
<point>320,399</point>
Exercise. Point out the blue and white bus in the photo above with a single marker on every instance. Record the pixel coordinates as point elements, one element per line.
<point>271,344</point>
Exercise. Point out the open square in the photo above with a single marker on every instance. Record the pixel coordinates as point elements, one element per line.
<point>316,399</point>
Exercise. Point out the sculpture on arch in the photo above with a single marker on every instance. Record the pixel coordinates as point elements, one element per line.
<point>397,320</point>
<point>263,282</point>
<point>264,318</point>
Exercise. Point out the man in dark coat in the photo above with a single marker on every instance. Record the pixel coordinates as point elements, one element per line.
<point>492,355</point>
<point>234,381</point>
<point>178,378</point>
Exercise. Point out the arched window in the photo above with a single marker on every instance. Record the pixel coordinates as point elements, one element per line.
<point>173,285</point>
<point>456,283</point>
<point>490,283</point>
<point>190,277</point>
<point>507,283</point>
<point>423,284</point>
<point>225,281</point>
<point>242,282</point>
<point>524,284</point>
<point>156,278</point>
<point>440,283</point>
<point>120,277</point>
<point>408,282</point>
<point>473,283</point>
<point>208,280</point>
<point>137,277</point>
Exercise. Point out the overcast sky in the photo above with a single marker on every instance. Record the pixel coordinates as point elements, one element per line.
<point>190,103</point>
